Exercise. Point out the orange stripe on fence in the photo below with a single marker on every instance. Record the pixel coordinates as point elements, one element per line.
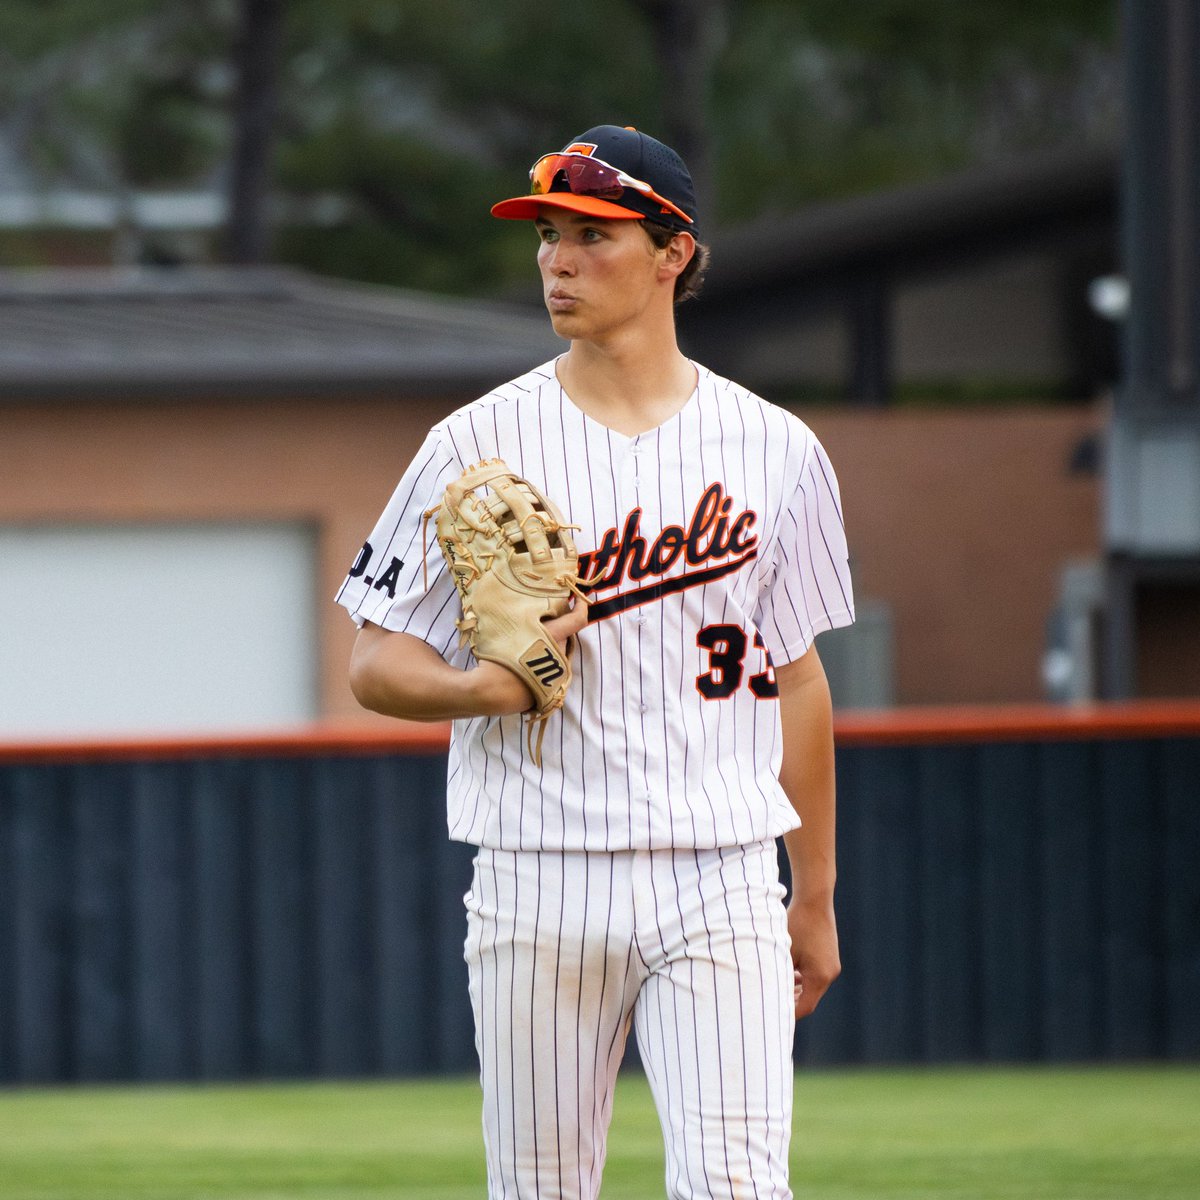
<point>311,742</point>
<point>1018,723</point>
<point>883,727</point>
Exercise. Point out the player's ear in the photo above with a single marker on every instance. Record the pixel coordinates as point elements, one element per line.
<point>676,255</point>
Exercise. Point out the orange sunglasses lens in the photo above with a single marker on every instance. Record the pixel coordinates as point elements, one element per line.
<point>587,176</point>
<point>584,176</point>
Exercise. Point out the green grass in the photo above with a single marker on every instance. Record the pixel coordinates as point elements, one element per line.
<point>957,1134</point>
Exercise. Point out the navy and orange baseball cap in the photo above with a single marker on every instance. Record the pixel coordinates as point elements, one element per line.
<point>611,172</point>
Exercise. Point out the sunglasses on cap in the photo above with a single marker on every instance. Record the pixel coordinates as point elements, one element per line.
<point>588,176</point>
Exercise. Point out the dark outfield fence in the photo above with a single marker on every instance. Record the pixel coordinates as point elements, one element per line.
<point>1015,886</point>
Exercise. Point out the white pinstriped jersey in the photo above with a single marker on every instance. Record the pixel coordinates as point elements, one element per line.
<point>720,548</point>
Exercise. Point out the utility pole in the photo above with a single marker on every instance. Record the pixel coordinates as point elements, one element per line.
<point>256,57</point>
<point>1153,494</point>
<point>686,35</point>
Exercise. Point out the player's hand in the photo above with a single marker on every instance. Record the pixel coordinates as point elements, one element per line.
<point>570,623</point>
<point>815,956</point>
<point>501,692</point>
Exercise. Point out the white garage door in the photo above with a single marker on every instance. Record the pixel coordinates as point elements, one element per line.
<point>152,629</point>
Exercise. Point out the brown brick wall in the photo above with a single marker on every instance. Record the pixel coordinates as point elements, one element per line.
<point>962,522</point>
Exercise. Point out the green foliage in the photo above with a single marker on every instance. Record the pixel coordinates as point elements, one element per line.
<point>954,38</point>
<point>160,137</point>
<point>118,95</point>
<point>823,99</point>
<point>416,215</point>
<point>416,114</point>
<point>422,114</point>
<point>493,79</point>
<point>32,28</point>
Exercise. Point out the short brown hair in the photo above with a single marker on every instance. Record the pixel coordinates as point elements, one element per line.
<point>689,281</point>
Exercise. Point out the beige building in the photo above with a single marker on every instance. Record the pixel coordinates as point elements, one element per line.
<point>189,462</point>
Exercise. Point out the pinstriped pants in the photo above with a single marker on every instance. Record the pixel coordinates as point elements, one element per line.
<point>566,949</point>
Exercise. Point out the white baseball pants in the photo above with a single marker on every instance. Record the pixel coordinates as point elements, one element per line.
<point>565,949</point>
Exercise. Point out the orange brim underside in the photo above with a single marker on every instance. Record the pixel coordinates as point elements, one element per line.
<point>526,208</point>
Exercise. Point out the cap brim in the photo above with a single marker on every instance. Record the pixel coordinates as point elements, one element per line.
<point>527,208</point>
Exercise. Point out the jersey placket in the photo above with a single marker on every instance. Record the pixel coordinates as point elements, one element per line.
<point>637,651</point>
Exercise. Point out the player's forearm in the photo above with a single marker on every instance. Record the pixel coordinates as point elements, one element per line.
<point>813,868</point>
<point>401,676</point>
<point>807,777</point>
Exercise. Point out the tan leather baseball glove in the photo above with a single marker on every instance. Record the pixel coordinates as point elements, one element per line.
<point>514,563</point>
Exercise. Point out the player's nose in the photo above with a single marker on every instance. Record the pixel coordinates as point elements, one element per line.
<point>559,259</point>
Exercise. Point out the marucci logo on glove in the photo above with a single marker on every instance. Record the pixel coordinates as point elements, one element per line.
<point>544,663</point>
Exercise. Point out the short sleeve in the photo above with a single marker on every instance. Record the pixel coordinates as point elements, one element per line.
<point>808,588</point>
<point>399,578</point>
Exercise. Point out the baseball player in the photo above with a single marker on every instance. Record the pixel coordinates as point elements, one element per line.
<point>630,876</point>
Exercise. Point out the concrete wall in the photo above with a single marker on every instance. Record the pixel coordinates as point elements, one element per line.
<point>960,521</point>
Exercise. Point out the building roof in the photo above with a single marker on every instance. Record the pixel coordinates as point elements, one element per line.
<point>850,259</point>
<point>168,331</point>
<point>937,222</point>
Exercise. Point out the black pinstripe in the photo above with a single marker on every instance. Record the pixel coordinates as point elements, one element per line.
<point>664,940</point>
